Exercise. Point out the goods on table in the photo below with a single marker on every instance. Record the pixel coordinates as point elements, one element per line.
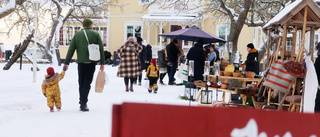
<point>236,74</point>
<point>226,73</point>
<point>230,68</point>
<point>250,74</point>
<point>225,85</point>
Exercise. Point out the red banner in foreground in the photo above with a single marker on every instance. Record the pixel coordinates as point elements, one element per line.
<point>150,120</point>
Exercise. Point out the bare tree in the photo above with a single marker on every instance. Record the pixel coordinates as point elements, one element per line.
<point>238,12</point>
<point>59,11</point>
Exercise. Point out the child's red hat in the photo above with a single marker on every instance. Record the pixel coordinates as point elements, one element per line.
<point>50,71</point>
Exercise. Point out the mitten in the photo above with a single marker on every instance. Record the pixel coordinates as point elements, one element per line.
<point>64,68</point>
<point>45,94</point>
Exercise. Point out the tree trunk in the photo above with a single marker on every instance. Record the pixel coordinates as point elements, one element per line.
<point>18,51</point>
<point>236,27</point>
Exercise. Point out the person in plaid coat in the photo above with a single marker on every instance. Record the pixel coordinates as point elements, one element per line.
<point>130,67</point>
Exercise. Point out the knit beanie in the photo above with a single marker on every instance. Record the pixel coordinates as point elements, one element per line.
<point>154,62</point>
<point>86,22</point>
<point>175,41</point>
<point>50,71</point>
<point>250,45</point>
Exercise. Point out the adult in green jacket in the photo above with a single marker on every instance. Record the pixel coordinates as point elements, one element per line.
<point>86,67</point>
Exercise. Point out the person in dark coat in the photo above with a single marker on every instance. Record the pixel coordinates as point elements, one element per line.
<point>197,54</point>
<point>172,57</point>
<point>252,63</point>
<point>142,58</point>
<point>130,67</point>
<point>162,63</point>
<point>148,54</point>
<point>317,67</point>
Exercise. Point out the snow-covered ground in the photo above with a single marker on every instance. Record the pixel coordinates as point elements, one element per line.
<point>24,111</point>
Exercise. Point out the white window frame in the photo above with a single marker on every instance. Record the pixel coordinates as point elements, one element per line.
<point>226,25</point>
<point>132,23</point>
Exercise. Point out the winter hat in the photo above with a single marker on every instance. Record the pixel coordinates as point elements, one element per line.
<point>139,39</point>
<point>175,41</point>
<point>130,39</point>
<point>154,62</point>
<point>86,22</point>
<point>250,45</point>
<point>206,47</point>
<point>50,71</point>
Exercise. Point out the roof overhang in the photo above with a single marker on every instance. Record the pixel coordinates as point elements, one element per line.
<point>293,14</point>
<point>168,18</point>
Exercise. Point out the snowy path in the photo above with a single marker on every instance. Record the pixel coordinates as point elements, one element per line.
<point>24,113</point>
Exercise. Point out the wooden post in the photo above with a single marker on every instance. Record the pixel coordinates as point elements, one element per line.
<point>284,41</point>
<point>311,48</point>
<point>304,25</point>
<point>294,43</point>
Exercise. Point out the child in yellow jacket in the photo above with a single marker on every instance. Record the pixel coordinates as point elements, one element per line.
<point>50,88</point>
<point>153,75</point>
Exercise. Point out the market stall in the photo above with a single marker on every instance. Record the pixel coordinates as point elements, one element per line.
<point>287,76</point>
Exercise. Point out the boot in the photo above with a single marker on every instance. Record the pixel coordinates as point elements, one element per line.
<point>51,109</point>
<point>84,107</point>
<point>127,89</point>
<point>59,109</point>
<point>155,91</point>
<point>149,90</point>
<point>131,88</point>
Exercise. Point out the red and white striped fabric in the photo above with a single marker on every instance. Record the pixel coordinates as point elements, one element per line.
<point>278,78</point>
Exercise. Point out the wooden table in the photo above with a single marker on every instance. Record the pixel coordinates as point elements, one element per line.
<point>243,96</point>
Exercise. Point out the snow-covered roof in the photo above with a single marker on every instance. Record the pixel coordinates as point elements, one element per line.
<point>293,9</point>
<point>167,18</point>
<point>283,13</point>
<point>7,47</point>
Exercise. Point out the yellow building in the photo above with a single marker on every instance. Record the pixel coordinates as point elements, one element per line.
<point>132,20</point>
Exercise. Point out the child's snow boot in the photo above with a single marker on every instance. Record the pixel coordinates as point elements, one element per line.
<point>149,90</point>
<point>127,89</point>
<point>155,91</point>
<point>58,109</point>
<point>51,109</point>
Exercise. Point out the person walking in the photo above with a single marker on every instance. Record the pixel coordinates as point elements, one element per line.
<point>148,54</point>
<point>153,76</point>
<point>142,58</point>
<point>197,54</point>
<point>130,67</point>
<point>50,88</point>
<point>252,63</point>
<point>86,67</point>
<point>163,64</point>
<point>172,56</point>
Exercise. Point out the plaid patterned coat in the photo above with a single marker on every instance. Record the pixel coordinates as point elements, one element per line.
<point>129,63</point>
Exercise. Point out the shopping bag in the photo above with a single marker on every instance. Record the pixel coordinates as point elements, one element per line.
<point>106,79</point>
<point>146,84</point>
<point>100,81</point>
<point>183,71</point>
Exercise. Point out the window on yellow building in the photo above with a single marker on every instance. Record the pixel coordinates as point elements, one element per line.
<point>134,31</point>
<point>67,33</point>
